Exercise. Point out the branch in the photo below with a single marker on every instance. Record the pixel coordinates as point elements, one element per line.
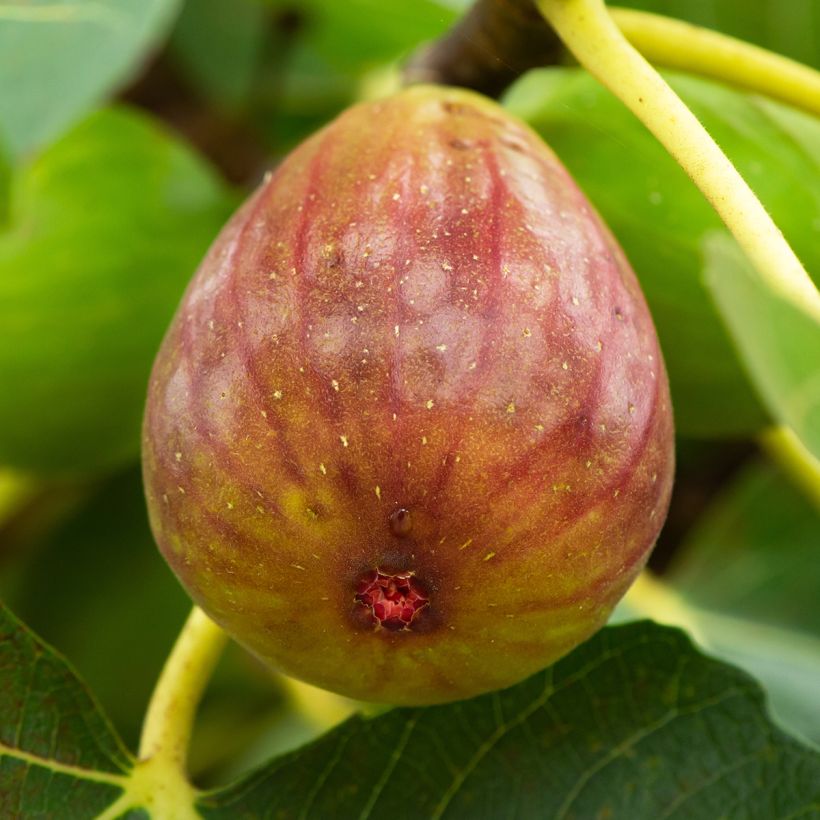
<point>499,40</point>
<point>488,49</point>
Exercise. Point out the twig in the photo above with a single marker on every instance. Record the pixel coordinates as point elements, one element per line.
<point>488,49</point>
<point>499,40</point>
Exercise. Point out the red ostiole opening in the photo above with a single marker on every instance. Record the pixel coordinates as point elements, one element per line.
<point>393,600</point>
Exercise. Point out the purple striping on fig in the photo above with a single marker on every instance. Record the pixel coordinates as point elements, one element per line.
<point>409,436</point>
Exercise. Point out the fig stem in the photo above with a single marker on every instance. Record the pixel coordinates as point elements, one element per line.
<point>322,709</point>
<point>166,731</point>
<point>496,41</point>
<point>590,33</point>
<point>677,44</point>
<point>786,449</point>
<point>650,597</point>
<point>159,782</point>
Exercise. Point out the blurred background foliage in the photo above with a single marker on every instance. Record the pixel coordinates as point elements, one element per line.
<point>130,129</point>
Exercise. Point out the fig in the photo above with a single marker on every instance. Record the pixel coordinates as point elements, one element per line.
<point>409,436</point>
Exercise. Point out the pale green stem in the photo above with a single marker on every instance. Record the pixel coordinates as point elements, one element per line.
<point>158,784</point>
<point>589,32</point>
<point>800,465</point>
<point>321,708</point>
<point>649,597</point>
<point>169,721</point>
<point>379,83</point>
<point>680,45</point>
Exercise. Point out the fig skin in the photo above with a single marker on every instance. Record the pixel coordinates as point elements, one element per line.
<point>417,351</point>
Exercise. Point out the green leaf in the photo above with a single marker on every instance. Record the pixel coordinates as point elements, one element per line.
<point>786,662</point>
<point>289,68</point>
<point>790,27</point>
<point>779,342</point>
<point>310,92</point>
<point>661,219</point>
<point>59,757</point>
<point>361,33</point>
<point>754,553</point>
<point>265,69</point>
<point>749,575</point>
<point>106,228</point>
<point>59,58</point>
<point>223,61</point>
<point>634,724</point>
<point>5,183</point>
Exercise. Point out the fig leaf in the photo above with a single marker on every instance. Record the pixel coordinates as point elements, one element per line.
<point>779,342</point>
<point>748,571</point>
<point>104,230</point>
<point>59,756</point>
<point>635,723</point>
<point>58,60</point>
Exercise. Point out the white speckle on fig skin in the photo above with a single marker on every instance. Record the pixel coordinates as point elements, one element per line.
<point>449,331</point>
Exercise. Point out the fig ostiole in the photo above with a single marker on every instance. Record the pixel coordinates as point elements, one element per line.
<point>409,436</point>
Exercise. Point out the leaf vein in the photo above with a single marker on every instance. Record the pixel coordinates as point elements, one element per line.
<point>391,765</point>
<point>63,768</point>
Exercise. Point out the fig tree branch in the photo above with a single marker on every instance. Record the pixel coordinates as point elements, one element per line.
<point>489,48</point>
<point>499,40</point>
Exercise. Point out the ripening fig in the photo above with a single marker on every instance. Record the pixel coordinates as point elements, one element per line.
<point>409,436</point>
